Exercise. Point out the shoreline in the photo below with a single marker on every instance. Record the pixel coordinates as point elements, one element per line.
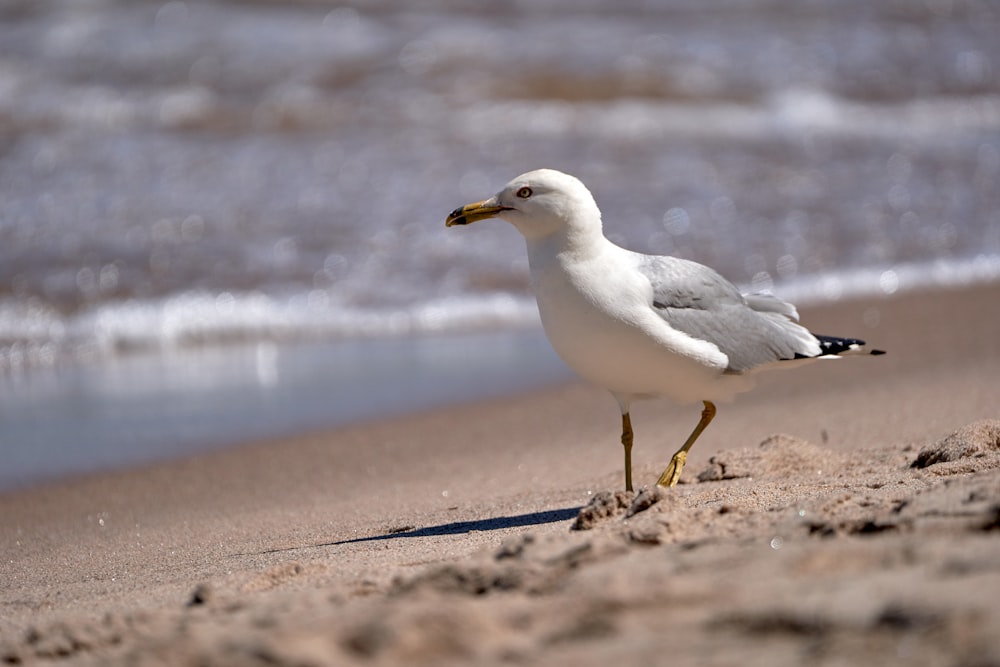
<point>141,409</point>
<point>276,528</point>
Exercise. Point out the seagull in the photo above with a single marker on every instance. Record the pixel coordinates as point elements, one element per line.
<point>644,326</point>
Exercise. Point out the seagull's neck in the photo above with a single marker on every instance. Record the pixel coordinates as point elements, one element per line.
<point>571,242</point>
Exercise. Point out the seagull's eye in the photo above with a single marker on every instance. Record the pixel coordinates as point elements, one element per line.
<point>524,193</point>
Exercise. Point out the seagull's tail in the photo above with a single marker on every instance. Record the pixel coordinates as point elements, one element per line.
<point>832,346</point>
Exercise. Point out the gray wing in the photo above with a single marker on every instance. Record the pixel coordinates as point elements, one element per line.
<point>751,330</point>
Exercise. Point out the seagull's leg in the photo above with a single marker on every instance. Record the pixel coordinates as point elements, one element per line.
<point>627,444</point>
<point>672,474</point>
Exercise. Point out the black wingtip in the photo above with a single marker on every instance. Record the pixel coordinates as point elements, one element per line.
<point>835,346</point>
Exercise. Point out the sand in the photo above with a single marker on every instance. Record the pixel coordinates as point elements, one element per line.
<point>843,513</point>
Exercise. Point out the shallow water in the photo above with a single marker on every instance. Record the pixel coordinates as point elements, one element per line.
<point>135,409</point>
<point>188,175</point>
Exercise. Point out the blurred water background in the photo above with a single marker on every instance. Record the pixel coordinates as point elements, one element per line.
<point>223,220</point>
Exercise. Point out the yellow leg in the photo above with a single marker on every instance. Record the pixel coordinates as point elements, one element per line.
<point>672,474</point>
<point>627,444</point>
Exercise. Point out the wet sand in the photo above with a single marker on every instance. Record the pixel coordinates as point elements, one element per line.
<point>847,512</point>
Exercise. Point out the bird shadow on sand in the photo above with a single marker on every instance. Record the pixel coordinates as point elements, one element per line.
<point>460,527</point>
<point>453,528</point>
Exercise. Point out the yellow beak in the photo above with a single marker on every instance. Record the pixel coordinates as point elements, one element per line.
<point>481,210</point>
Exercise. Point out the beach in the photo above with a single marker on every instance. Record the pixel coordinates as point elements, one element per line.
<point>842,513</point>
<point>258,406</point>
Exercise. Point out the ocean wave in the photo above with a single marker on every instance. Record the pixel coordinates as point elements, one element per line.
<point>891,280</point>
<point>781,114</point>
<point>33,335</point>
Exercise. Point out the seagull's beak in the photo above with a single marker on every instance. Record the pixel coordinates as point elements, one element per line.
<point>481,210</point>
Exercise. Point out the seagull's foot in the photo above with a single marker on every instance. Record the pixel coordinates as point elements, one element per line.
<point>672,474</point>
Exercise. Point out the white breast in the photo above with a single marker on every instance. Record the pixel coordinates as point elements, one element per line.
<point>606,330</point>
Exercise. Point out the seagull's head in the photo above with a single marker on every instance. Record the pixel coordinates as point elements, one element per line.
<point>539,203</point>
